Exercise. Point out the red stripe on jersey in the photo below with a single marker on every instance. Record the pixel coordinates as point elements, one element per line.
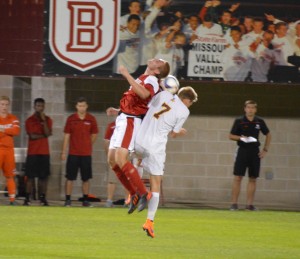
<point>128,133</point>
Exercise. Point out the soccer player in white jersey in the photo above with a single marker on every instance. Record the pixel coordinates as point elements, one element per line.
<point>166,115</point>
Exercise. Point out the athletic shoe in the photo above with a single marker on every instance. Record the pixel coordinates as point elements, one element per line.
<point>86,204</point>
<point>44,202</point>
<point>134,200</point>
<point>144,200</point>
<point>68,203</point>
<point>251,208</point>
<point>13,203</point>
<point>26,202</point>
<point>109,204</point>
<point>234,207</point>
<point>149,228</point>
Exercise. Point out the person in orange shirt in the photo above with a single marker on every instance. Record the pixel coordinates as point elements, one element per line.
<point>9,127</point>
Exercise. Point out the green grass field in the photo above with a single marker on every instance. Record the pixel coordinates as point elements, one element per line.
<point>58,232</point>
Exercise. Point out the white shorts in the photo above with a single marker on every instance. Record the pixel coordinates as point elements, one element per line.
<point>125,132</point>
<point>152,161</point>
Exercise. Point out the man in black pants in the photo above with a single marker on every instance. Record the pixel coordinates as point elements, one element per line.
<point>245,131</point>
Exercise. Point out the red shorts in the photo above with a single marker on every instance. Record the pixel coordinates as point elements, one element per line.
<point>7,162</point>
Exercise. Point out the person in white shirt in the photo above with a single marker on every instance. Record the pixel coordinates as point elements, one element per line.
<point>128,52</point>
<point>166,116</point>
<point>263,58</point>
<point>236,58</point>
<point>282,47</point>
<point>134,8</point>
<point>208,28</point>
<point>256,34</point>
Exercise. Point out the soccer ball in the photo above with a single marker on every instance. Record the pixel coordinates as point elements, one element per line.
<point>170,83</point>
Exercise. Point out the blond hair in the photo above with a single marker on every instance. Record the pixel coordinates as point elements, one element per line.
<point>4,98</point>
<point>189,93</point>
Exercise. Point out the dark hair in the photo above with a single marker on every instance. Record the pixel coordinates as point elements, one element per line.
<point>133,17</point>
<point>236,28</point>
<point>38,100</point>
<point>81,100</point>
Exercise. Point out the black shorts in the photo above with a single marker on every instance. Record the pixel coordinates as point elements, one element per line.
<point>247,158</point>
<point>74,163</point>
<point>37,166</point>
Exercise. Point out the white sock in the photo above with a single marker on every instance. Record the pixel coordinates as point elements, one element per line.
<point>153,205</point>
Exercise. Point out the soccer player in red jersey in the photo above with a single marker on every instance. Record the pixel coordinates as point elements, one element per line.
<point>9,127</point>
<point>133,106</point>
<point>39,128</point>
<point>81,131</point>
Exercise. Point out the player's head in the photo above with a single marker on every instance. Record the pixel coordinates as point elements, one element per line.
<point>81,105</point>
<point>250,107</point>
<point>135,7</point>
<point>236,33</point>
<point>133,23</point>
<point>187,95</point>
<point>4,104</point>
<point>39,104</point>
<point>158,67</point>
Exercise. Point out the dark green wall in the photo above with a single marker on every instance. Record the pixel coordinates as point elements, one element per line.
<point>215,98</point>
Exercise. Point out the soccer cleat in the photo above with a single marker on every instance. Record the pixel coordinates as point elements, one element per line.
<point>87,204</point>
<point>12,203</point>
<point>68,203</point>
<point>234,206</point>
<point>26,202</point>
<point>251,208</point>
<point>144,200</point>
<point>134,200</point>
<point>44,202</point>
<point>149,228</point>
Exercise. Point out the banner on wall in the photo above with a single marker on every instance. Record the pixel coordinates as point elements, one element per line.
<point>82,35</point>
<point>204,58</point>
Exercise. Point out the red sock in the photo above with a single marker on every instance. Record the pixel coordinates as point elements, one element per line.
<point>134,178</point>
<point>123,179</point>
<point>11,188</point>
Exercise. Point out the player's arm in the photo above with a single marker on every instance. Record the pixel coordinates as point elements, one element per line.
<point>141,91</point>
<point>93,138</point>
<point>111,111</point>
<point>265,149</point>
<point>65,146</point>
<point>174,134</point>
<point>235,137</point>
<point>14,130</point>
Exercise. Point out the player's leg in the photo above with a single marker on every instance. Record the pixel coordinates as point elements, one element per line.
<point>9,169</point>
<point>239,171</point>
<point>71,175</point>
<point>86,174</point>
<point>43,174</point>
<point>30,173</point>
<point>254,169</point>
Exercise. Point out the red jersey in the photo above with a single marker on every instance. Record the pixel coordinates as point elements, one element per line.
<point>34,125</point>
<point>132,104</point>
<point>11,126</point>
<point>109,130</point>
<point>81,131</point>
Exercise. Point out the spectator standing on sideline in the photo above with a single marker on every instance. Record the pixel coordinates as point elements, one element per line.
<point>245,131</point>
<point>80,133</point>
<point>167,114</point>
<point>38,128</point>
<point>9,127</point>
<point>133,106</point>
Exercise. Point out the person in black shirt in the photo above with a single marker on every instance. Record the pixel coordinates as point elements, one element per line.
<point>245,131</point>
